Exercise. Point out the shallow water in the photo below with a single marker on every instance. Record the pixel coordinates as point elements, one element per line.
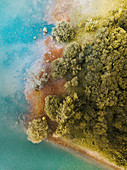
<point>20,21</point>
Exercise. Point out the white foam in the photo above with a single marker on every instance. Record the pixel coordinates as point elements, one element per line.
<point>12,75</point>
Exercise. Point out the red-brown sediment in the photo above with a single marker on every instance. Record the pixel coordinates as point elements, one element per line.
<point>36,99</point>
<point>53,50</point>
<point>61,10</point>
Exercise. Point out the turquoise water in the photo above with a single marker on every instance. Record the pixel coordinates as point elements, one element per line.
<point>20,21</point>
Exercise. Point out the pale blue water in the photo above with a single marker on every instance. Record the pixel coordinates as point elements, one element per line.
<point>20,21</point>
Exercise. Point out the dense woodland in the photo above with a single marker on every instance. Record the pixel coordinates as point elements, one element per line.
<point>90,105</point>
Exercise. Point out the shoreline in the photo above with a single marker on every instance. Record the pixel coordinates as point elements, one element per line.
<point>90,154</point>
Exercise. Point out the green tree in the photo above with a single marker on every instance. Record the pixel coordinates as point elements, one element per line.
<point>123,20</point>
<point>63,32</point>
<point>72,50</point>
<point>37,130</point>
<point>51,106</point>
<point>59,68</point>
<point>91,25</point>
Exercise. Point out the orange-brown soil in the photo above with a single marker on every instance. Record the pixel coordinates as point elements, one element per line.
<point>61,10</point>
<point>36,98</point>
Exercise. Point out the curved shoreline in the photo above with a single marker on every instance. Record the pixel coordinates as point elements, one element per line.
<point>90,154</point>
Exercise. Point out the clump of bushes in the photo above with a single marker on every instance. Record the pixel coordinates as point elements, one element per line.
<point>63,32</point>
<point>72,50</point>
<point>69,64</point>
<point>91,25</point>
<point>69,112</point>
<point>123,20</point>
<point>51,106</point>
<point>73,83</point>
<point>105,64</point>
<point>59,68</point>
<point>37,130</point>
<point>66,109</point>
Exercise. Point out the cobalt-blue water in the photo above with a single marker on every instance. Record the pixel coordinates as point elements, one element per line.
<point>20,21</point>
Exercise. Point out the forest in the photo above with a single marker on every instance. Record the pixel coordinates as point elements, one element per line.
<point>81,94</point>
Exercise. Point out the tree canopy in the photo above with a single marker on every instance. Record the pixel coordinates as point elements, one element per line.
<point>37,130</point>
<point>63,32</point>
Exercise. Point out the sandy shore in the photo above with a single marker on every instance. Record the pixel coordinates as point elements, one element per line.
<point>91,154</point>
